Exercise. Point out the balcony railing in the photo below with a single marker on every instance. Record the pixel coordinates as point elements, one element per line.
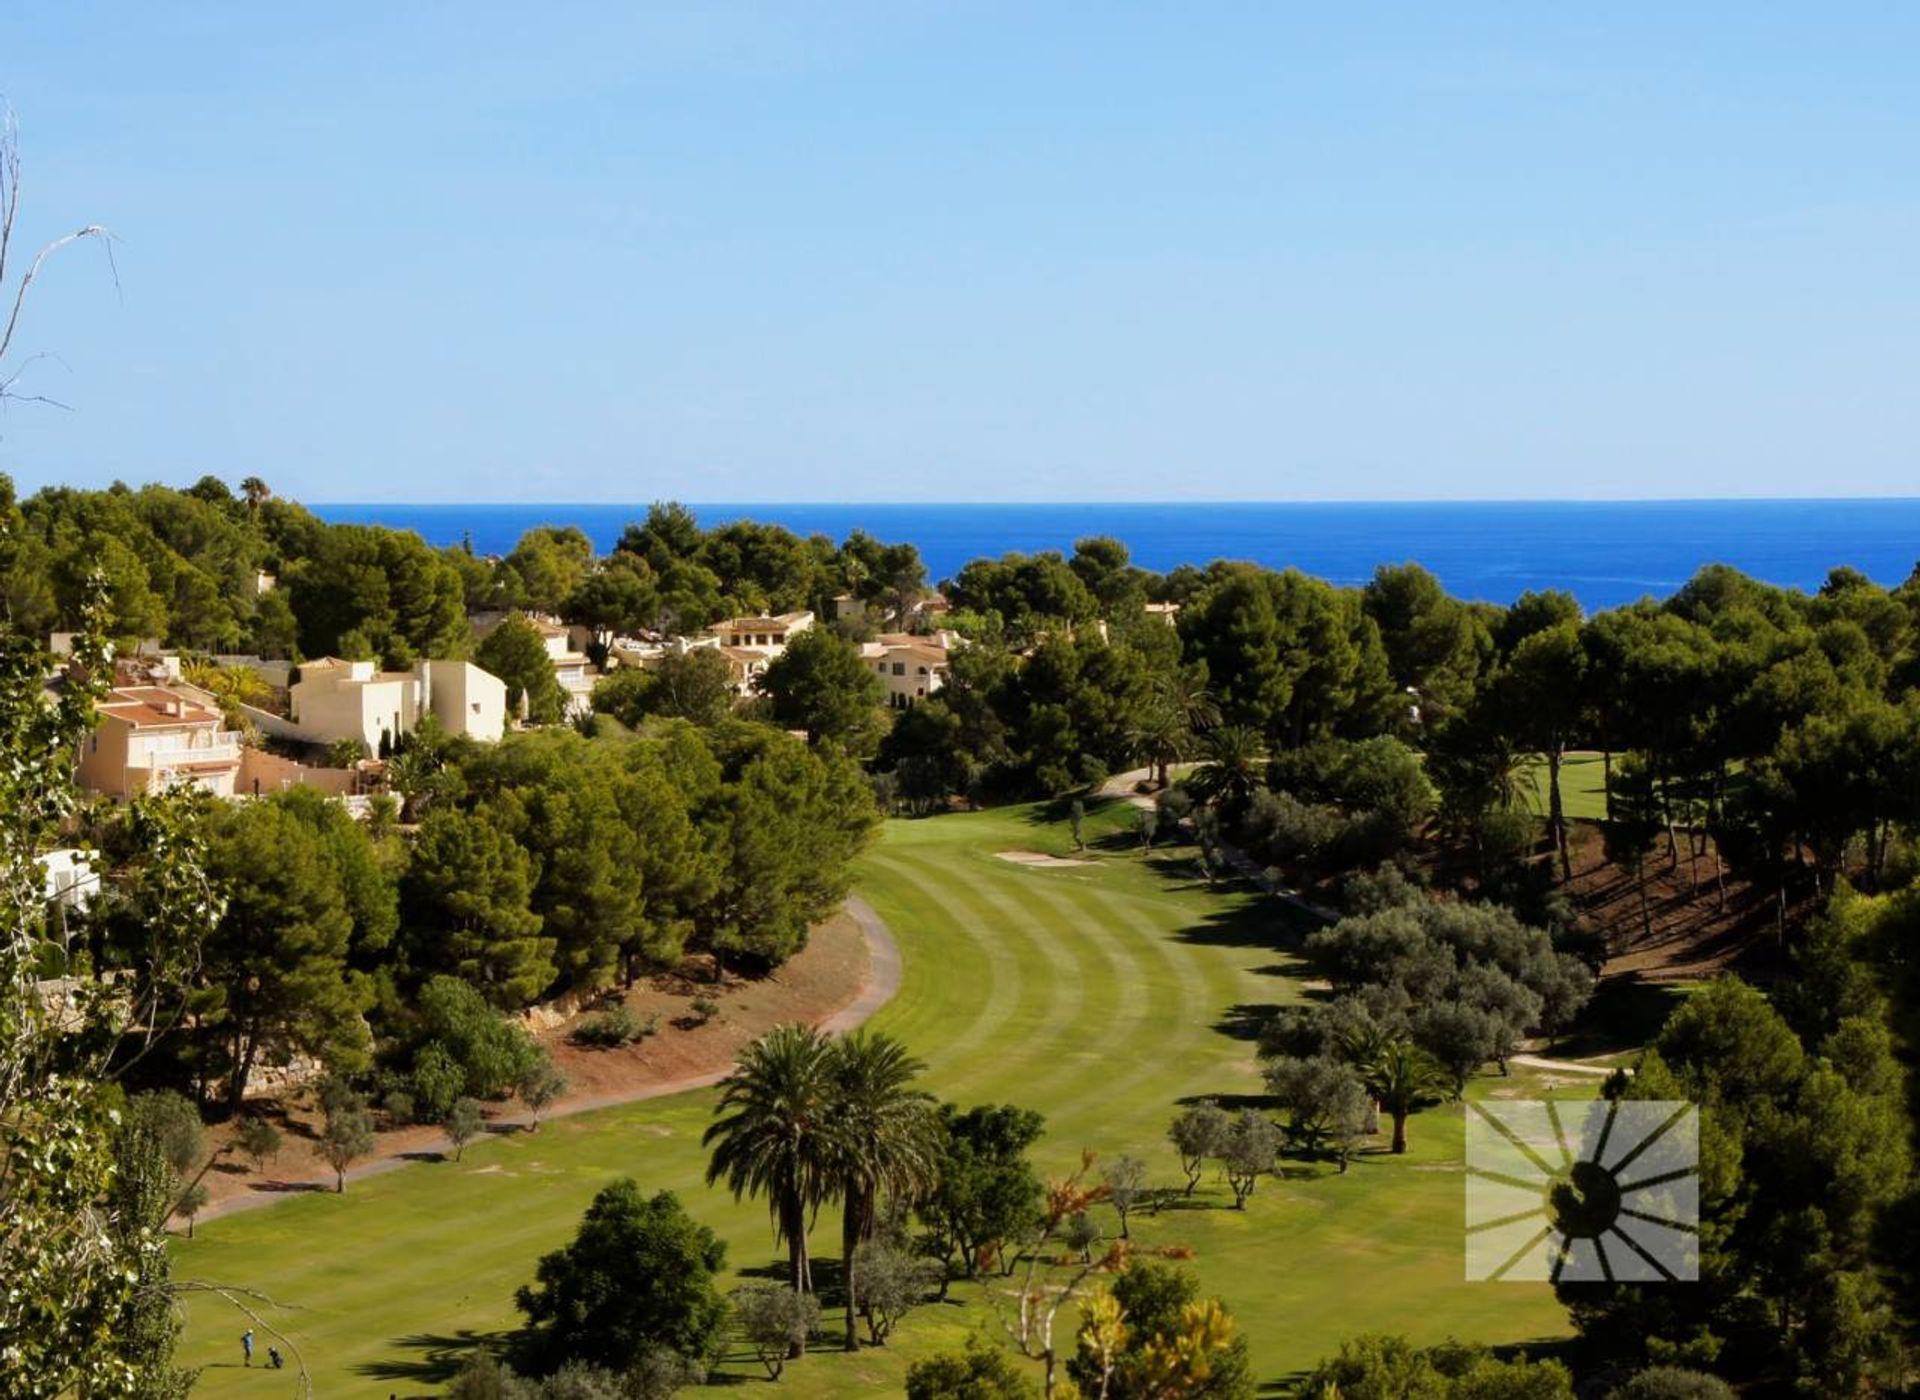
<point>225,749</point>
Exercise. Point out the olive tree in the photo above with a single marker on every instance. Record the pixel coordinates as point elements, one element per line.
<point>1248,1152</point>
<point>464,1123</point>
<point>892,1282</point>
<point>347,1137</point>
<point>776,1321</point>
<point>539,1086</point>
<point>1197,1135</point>
<point>1126,1181</point>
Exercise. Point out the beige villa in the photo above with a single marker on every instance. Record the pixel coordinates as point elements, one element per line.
<point>149,738</point>
<point>766,635</point>
<point>910,667</point>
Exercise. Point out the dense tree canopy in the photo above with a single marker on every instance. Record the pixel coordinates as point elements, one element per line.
<point>639,1274</point>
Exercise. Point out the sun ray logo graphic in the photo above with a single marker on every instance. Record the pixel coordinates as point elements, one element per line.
<point>1583,1192</point>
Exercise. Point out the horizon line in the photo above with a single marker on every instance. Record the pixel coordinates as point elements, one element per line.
<point>1153,504</point>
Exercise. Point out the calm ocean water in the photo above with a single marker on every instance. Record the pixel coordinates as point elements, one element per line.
<point>1605,553</point>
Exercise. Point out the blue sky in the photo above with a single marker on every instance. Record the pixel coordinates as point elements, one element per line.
<point>972,252</point>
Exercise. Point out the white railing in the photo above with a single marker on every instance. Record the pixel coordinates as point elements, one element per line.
<point>225,749</point>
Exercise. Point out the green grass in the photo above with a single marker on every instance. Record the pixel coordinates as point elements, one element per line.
<point>1101,995</point>
<point>1582,786</point>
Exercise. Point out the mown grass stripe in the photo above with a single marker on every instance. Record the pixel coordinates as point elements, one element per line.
<point>1092,995</point>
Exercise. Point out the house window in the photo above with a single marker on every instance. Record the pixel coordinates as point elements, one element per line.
<point>475,707</point>
<point>899,668</point>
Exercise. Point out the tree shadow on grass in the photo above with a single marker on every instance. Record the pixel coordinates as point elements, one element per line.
<point>1172,1200</point>
<point>1243,924</point>
<point>440,1355</point>
<point>829,1279</point>
<point>1625,1013</point>
<point>1245,1020</point>
<point>1232,1103</point>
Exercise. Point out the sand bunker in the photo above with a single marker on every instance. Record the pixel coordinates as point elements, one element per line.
<point>1040,858</point>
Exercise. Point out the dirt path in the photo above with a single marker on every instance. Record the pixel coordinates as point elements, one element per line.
<point>878,985</point>
<point>1125,786</point>
<point>1562,1066</point>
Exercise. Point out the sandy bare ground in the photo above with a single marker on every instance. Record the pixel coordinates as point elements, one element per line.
<point>849,969</point>
<point>1563,1066</point>
<point>1039,859</point>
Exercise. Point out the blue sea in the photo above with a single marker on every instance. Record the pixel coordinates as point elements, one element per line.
<point>1604,553</point>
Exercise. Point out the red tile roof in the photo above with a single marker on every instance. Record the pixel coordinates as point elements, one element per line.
<point>146,707</point>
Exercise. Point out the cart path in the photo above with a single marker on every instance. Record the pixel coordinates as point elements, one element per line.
<point>876,989</point>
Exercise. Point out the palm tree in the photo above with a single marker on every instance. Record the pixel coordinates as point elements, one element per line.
<point>776,1135</point>
<point>1232,770</point>
<point>889,1136</point>
<point>1402,1077</point>
<point>1160,736</point>
<point>254,491</point>
<point>1187,694</point>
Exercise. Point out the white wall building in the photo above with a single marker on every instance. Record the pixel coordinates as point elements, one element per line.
<point>335,700</point>
<point>71,878</point>
<point>766,635</point>
<point>911,668</point>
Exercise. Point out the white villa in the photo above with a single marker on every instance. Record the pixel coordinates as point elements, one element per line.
<point>571,666</point>
<point>335,700</point>
<point>71,877</point>
<point>749,645</point>
<point>910,667</point>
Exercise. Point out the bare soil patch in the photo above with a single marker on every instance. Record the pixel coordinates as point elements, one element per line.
<point>1700,920</point>
<point>834,980</point>
<point>1040,860</point>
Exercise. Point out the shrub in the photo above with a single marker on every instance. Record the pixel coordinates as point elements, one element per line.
<point>399,1108</point>
<point>1283,829</point>
<point>1672,1383</point>
<point>437,1082</point>
<point>1175,804</point>
<point>492,1050</point>
<point>612,1028</point>
<point>982,1372</point>
<point>704,1009</point>
<point>175,1124</point>
<point>260,1140</point>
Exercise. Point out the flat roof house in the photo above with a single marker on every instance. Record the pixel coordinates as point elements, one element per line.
<point>766,635</point>
<point>335,700</point>
<point>572,668</point>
